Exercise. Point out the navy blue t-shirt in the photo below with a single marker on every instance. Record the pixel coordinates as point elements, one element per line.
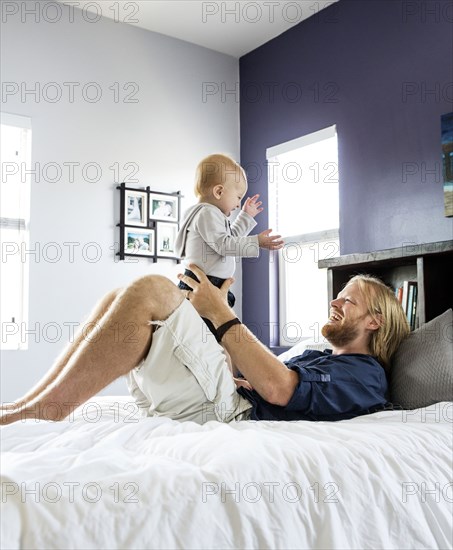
<point>331,387</point>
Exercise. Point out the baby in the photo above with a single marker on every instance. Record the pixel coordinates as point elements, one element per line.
<point>207,238</point>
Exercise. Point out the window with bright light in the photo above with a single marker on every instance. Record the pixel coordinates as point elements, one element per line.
<point>14,227</point>
<point>304,209</point>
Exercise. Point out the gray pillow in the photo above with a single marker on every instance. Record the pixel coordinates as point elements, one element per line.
<point>422,368</point>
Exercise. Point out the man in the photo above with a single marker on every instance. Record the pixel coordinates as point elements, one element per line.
<point>175,368</point>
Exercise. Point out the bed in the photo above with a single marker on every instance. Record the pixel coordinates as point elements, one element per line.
<point>106,478</point>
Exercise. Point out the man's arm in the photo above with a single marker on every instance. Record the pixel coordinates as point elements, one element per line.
<point>268,376</point>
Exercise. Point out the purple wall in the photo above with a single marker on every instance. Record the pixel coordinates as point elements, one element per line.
<point>368,67</point>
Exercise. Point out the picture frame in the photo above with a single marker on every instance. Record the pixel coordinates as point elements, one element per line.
<point>149,223</point>
<point>136,208</point>
<point>165,239</point>
<point>140,242</point>
<point>447,162</point>
<point>163,207</point>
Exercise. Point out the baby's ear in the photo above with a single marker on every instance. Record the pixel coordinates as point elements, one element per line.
<point>217,191</point>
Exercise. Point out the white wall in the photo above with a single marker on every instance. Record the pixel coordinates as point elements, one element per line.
<point>165,134</point>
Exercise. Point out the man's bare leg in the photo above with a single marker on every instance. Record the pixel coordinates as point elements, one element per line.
<point>87,331</point>
<point>122,341</point>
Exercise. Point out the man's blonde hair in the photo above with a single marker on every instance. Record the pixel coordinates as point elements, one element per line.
<point>387,311</point>
<point>213,170</point>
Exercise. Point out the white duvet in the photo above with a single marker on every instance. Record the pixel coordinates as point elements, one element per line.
<point>105,479</point>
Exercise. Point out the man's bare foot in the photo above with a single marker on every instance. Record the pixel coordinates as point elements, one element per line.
<point>8,417</point>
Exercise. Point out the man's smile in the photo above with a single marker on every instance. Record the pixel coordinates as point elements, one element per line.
<point>335,317</point>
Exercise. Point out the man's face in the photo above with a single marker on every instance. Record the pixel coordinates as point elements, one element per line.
<point>349,317</point>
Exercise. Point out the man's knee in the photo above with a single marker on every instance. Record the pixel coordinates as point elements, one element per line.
<point>153,283</point>
<point>159,293</point>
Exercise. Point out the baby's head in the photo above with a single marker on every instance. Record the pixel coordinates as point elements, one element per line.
<point>220,181</point>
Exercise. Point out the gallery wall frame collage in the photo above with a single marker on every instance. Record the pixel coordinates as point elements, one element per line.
<point>149,223</point>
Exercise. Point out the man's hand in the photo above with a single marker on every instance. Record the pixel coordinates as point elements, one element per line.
<point>266,374</point>
<point>252,206</point>
<point>207,299</point>
<point>271,242</point>
<point>242,383</point>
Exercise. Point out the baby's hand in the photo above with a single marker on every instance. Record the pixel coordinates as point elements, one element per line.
<point>252,206</point>
<point>271,242</point>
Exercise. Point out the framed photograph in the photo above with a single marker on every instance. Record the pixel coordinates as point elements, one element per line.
<point>166,238</point>
<point>136,208</point>
<point>447,161</point>
<point>149,223</point>
<point>139,241</point>
<point>163,207</point>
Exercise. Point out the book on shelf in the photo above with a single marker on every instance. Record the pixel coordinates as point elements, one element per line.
<point>407,295</point>
<point>413,307</point>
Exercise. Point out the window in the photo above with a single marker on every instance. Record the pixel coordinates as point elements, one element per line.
<point>14,227</point>
<point>304,209</point>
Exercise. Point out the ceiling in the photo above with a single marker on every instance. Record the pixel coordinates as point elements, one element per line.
<point>230,27</point>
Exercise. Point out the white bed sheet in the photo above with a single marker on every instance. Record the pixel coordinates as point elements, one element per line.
<point>121,482</point>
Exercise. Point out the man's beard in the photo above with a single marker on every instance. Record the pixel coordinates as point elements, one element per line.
<point>340,334</point>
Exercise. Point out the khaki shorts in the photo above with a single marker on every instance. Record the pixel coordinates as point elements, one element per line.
<point>185,375</point>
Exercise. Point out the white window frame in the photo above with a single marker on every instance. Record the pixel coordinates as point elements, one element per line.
<point>323,245</point>
<point>11,329</point>
<point>326,241</point>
